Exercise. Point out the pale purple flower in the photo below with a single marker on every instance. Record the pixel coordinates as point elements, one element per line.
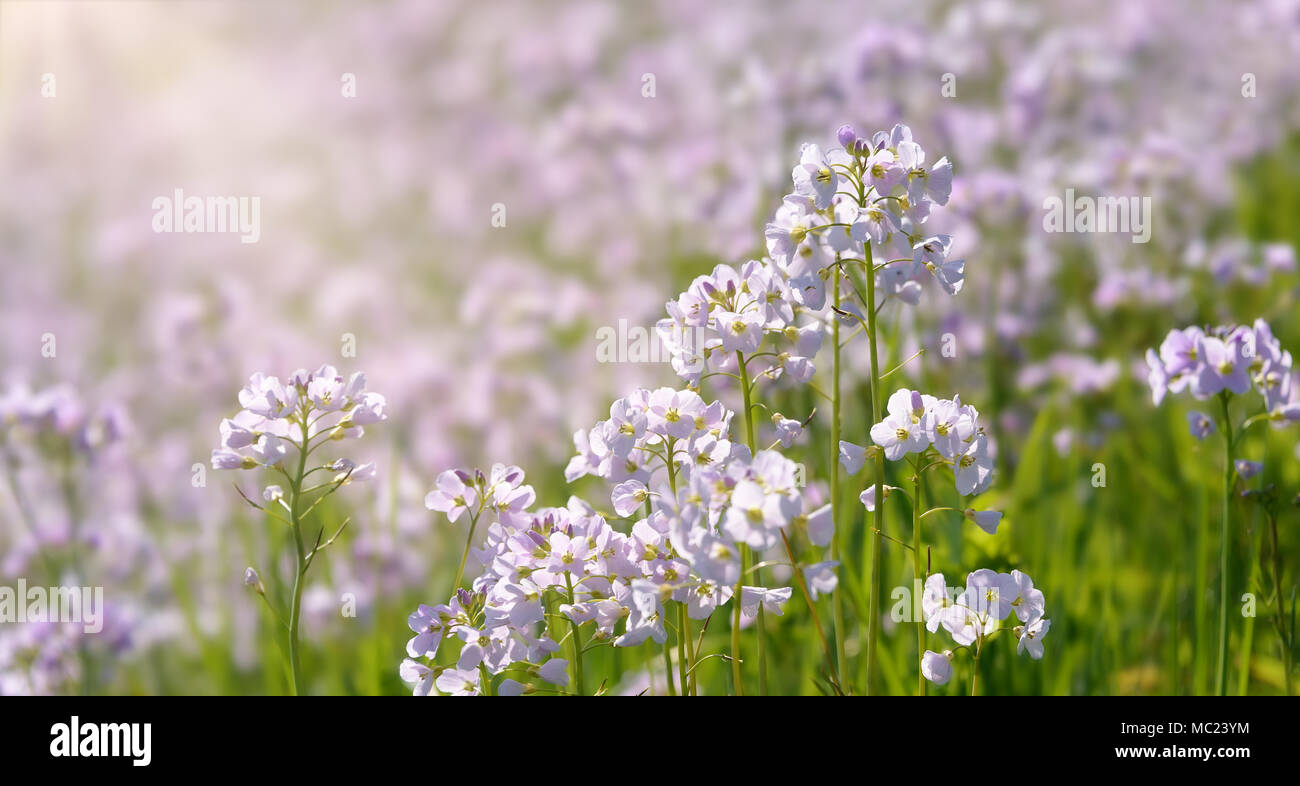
<point>509,687</point>
<point>814,177</point>
<point>772,600</point>
<point>883,170</point>
<point>755,517</point>
<point>935,601</point>
<point>1180,351</point>
<point>868,496</point>
<point>1025,600</point>
<point>241,430</point>
<point>458,682</point>
<point>985,596</point>
<point>852,457</point>
<point>418,676</point>
<point>966,621</point>
<point>269,450</point>
<point>739,332</point>
<point>1031,637</point>
<point>986,520</point>
<point>821,578</point>
<point>429,623</point>
<point>1200,424</point>
<point>1248,469</point>
<point>973,470</point>
<point>628,496</point>
<point>1223,367</point>
<point>454,494</point>
<point>932,254</point>
<point>937,667</point>
<point>821,525</point>
<point>370,408</point>
<point>950,426</point>
<point>900,434</point>
<point>555,671</point>
<point>1157,377</point>
<point>787,430</point>
<point>229,459</point>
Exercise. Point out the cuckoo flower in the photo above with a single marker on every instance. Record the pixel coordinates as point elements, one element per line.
<point>281,426</point>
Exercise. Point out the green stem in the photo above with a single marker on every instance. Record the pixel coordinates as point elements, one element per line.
<point>682,635</point>
<point>577,642</point>
<point>877,544</point>
<point>975,669</point>
<point>668,664</point>
<point>744,550</point>
<point>295,610</point>
<point>690,651</point>
<point>460,571</point>
<point>1221,676</point>
<point>837,599</point>
<point>918,571</point>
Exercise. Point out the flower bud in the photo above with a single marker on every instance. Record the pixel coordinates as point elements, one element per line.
<point>846,136</point>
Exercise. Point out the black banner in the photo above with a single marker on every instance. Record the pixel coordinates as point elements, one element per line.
<point>142,737</point>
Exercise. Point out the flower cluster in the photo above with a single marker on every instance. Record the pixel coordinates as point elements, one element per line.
<point>699,501</point>
<point>975,614</point>
<point>40,658</point>
<point>489,644</point>
<point>58,414</point>
<point>878,190</point>
<point>303,414</point>
<point>735,311</point>
<point>918,423</point>
<point>1226,358</point>
<point>665,423</point>
<point>715,509</point>
<point>503,490</point>
<point>311,407</point>
<point>710,495</point>
<point>530,563</point>
<point>712,498</point>
<point>1222,361</point>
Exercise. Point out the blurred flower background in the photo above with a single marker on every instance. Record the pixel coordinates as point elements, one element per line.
<point>464,193</point>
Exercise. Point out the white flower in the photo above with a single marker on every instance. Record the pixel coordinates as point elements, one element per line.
<point>418,676</point>
<point>949,426</point>
<point>821,525</point>
<point>985,596</point>
<point>936,666</point>
<point>555,671</point>
<point>986,520</point>
<point>966,624</point>
<point>905,430</point>
<point>868,497</point>
<point>1031,637</point>
<point>973,471</point>
<point>771,599</point>
<point>755,518</point>
<point>814,177</point>
<point>1026,601</point>
<point>852,457</point>
<point>821,578</point>
<point>628,496</point>
<point>456,682</point>
<point>935,601</point>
